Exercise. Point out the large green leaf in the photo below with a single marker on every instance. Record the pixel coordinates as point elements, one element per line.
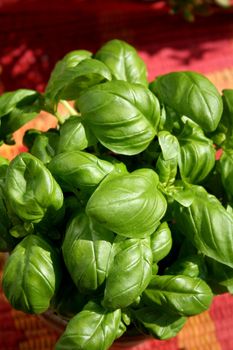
<point>86,251</point>
<point>207,225</point>
<point>190,94</point>
<point>197,154</point>
<point>94,328</point>
<point>79,170</point>
<point>31,190</point>
<point>129,204</point>
<point>123,61</point>
<point>178,294</point>
<point>158,322</point>
<point>31,275</point>
<point>124,117</point>
<point>129,273</point>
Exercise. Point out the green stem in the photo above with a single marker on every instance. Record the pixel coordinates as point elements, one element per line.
<point>59,117</point>
<point>69,108</point>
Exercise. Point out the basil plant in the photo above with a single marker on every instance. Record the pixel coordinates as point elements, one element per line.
<point>121,217</point>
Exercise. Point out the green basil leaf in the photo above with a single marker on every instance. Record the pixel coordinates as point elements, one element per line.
<point>7,242</point>
<point>93,328</point>
<point>178,294</point>
<point>123,61</point>
<point>31,275</point>
<point>79,170</point>
<point>158,322</point>
<point>129,273</point>
<point>16,109</point>
<point>70,81</point>
<point>226,123</point>
<point>128,204</point>
<point>30,136</point>
<point>226,170</point>
<point>197,154</point>
<point>63,69</point>
<point>86,251</point>
<point>181,193</point>
<point>124,117</point>
<point>207,225</point>
<point>44,146</point>
<point>190,265</point>
<point>190,94</point>
<point>74,136</point>
<point>31,191</point>
<point>219,275</point>
<point>73,58</point>
<point>16,99</point>
<point>166,165</point>
<point>161,242</point>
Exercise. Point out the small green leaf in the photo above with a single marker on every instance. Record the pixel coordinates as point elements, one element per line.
<point>70,81</point>
<point>74,136</point>
<point>129,273</point>
<point>158,322</point>
<point>161,242</point>
<point>123,61</point>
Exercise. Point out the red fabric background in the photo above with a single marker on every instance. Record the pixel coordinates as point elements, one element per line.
<point>35,34</point>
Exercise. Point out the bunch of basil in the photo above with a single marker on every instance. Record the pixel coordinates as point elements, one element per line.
<point>121,217</point>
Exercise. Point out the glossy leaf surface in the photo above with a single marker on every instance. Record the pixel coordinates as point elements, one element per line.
<point>70,81</point>
<point>74,136</point>
<point>31,275</point>
<point>123,61</point>
<point>158,322</point>
<point>94,328</point>
<point>161,242</point>
<point>208,226</point>
<point>86,252</point>
<point>190,94</point>
<point>79,170</point>
<point>197,154</point>
<point>31,189</point>
<point>129,204</point>
<point>124,117</point>
<point>129,273</point>
<point>178,294</point>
